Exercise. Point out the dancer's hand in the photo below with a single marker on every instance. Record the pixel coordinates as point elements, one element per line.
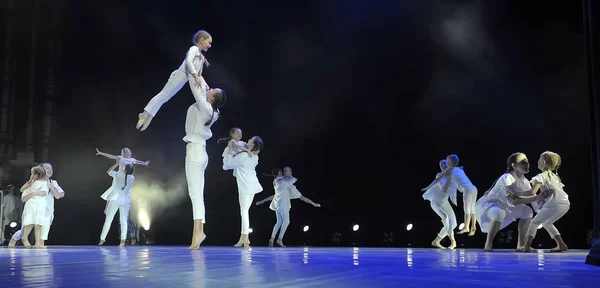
<point>146,163</point>
<point>97,152</point>
<point>259,202</point>
<point>198,80</point>
<point>249,153</point>
<point>511,195</point>
<point>317,205</point>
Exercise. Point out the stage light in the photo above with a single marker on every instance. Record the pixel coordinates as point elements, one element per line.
<point>144,218</point>
<point>250,230</point>
<point>305,228</point>
<point>461,226</point>
<point>13,224</point>
<point>355,227</point>
<point>409,227</point>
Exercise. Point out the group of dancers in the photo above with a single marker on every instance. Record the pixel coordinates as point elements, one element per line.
<point>503,203</point>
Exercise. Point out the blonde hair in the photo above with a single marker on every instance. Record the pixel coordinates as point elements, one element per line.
<point>39,172</point>
<point>201,35</point>
<point>553,161</point>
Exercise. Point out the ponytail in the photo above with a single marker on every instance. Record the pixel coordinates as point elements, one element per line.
<point>128,171</point>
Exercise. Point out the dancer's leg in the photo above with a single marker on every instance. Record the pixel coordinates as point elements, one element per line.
<point>496,216</point>
<point>123,217</point>
<point>25,238</point>
<point>196,161</point>
<point>439,210</point>
<point>176,81</point>
<point>276,228</point>
<point>286,222</point>
<point>111,210</point>
<point>245,203</point>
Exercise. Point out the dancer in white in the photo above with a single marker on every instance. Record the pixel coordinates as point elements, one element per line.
<point>440,205</point>
<point>495,211</point>
<point>118,198</point>
<point>56,193</point>
<point>285,190</point>
<point>456,178</point>
<point>34,213</point>
<point>247,182</point>
<point>191,67</point>
<point>551,208</point>
<point>235,143</point>
<point>123,159</point>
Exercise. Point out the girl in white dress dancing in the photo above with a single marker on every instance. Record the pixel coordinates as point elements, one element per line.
<point>123,159</point>
<point>34,213</point>
<point>192,66</point>
<point>551,208</point>
<point>244,168</point>
<point>285,190</point>
<point>440,205</point>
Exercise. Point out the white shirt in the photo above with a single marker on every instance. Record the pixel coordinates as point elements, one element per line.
<point>244,167</point>
<point>198,114</point>
<point>550,181</point>
<point>459,180</point>
<point>50,196</point>
<point>285,190</point>
<point>436,194</point>
<point>193,62</point>
<point>120,191</point>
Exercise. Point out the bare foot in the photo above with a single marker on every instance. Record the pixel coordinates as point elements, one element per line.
<point>472,233</point>
<point>271,242</point>
<point>463,231</point>
<point>144,120</point>
<point>247,244</point>
<point>488,247</point>
<point>200,239</point>
<point>280,242</point>
<point>452,245</point>
<point>37,246</point>
<point>26,244</point>
<point>12,243</point>
<point>525,250</point>
<point>240,242</point>
<point>122,244</point>
<point>100,243</point>
<point>559,249</point>
<point>437,245</point>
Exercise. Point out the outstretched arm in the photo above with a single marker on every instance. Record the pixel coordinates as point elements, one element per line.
<point>109,156</point>
<point>265,200</point>
<point>140,162</point>
<point>309,201</point>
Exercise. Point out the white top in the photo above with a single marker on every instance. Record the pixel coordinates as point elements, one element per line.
<point>50,196</point>
<point>231,152</point>
<point>550,181</point>
<point>198,114</point>
<point>285,190</point>
<point>498,197</point>
<point>119,191</point>
<point>244,168</point>
<point>436,194</point>
<point>459,180</point>
<point>193,62</point>
<point>37,185</point>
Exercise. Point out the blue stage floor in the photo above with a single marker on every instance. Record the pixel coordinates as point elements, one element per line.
<point>222,267</point>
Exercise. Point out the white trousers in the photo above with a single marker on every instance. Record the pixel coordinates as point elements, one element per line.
<point>444,210</point>
<point>283,221</point>
<point>498,214</point>
<point>469,199</point>
<point>196,161</point>
<point>245,203</point>
<point>546,217</point>
<point>176,81</point>
<point>111,210</point>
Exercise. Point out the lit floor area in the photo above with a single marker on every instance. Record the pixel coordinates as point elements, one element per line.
<point>222,267</point>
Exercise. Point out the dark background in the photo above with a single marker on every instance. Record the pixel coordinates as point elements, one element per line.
<point>360,98</point>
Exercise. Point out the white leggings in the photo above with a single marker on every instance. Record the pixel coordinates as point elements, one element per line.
<point>444,210</point>
<point>546,217</point>
<point>283,221</point>
<point>196,161</point>
<point>111,210</point>
<point>245,203</point>
<point>469,199</point>
<point>176,81</point>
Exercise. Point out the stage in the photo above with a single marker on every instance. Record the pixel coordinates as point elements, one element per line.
<point>222,267</point>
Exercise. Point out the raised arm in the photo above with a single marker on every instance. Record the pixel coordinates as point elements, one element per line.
<point>265,200</point>
<point>232,162</point>
<point>309,201</point>
<point>27,184</point>
<point>140,162</point>
<point>109,156</point>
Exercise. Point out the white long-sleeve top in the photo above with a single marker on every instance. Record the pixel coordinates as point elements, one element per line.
<point>193,62</point>
<point>50,196</point>
<point>285,190</point>
<point>244,168</point>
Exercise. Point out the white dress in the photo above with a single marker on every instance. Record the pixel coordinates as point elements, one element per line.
<point>285,190</point>
<point>497,197</point>
<point>34,212</point>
